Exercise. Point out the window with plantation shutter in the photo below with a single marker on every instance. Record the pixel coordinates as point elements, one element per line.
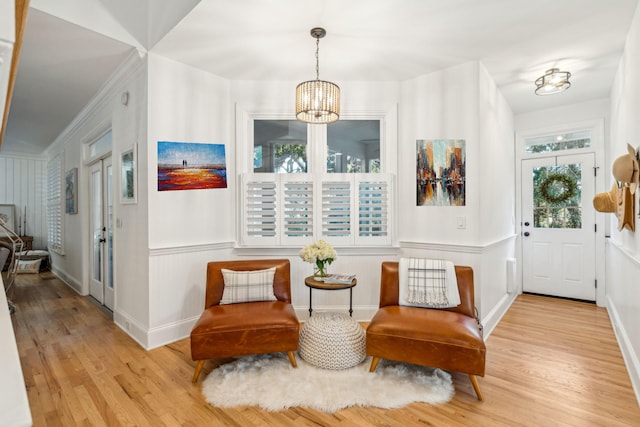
<point>300,183</point>
<point>337,211</point>
<point>348,210</point>
<point>54,205</point>
<point>260,210</point>
<point>297,209</point>
<point>373,210</point>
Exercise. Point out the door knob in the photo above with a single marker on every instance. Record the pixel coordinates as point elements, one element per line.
<point>526,234</point>
<point>103,240</point>
<point>526,224</point>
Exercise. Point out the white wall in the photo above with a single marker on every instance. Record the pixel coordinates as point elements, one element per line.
<point>440,105</point>
<point>462,102</point>
<point>23,184</point>
<point>186,228</point>
<point>160,268</point>
<point>623,250</point>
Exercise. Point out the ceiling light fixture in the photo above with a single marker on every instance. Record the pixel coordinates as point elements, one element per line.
<point>553,81</point>
<point>317,101</point>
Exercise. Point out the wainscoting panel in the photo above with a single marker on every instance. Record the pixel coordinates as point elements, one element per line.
<point>623,304</point>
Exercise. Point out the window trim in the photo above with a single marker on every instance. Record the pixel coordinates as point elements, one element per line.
<point>317,151</point>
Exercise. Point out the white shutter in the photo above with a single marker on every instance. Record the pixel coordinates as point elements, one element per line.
<point>259,210</point>
<point>373,211</point>
<point>297,208</point>
<point>337,210</point>
<point>54,205</point>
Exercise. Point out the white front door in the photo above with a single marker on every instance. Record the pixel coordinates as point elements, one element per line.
<point>558,236</point>
<point>101,231</point>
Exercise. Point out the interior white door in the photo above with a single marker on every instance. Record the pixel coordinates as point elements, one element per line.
<point>101,285</point>
<point>558,236</point>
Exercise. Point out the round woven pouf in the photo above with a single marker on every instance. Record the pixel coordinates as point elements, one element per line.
<point>332,341</point>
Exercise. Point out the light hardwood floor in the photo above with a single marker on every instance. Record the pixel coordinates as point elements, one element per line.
<point>549,362</point>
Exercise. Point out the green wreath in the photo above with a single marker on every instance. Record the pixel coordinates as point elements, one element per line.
<point>557,188</point>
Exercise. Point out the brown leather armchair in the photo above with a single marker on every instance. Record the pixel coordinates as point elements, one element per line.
<point>245,328</point>
<point>449,339</point>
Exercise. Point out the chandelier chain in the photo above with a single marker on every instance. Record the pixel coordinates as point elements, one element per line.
<point>317,58</point>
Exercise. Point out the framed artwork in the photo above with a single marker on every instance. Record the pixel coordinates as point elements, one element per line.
<point>129,176</point>
<point>440,172</point>
<point>71,191</point>
<point>8,216</point>
<point>191,166</point>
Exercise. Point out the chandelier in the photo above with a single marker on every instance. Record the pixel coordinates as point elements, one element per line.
<point>553,81</point>
<point>317,101</point>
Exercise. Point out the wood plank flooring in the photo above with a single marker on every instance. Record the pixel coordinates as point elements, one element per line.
<point>550,362</point>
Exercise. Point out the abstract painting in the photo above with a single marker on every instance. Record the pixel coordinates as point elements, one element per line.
<point>191,166</point>
<point>440,172</point>
<point>71,191</point>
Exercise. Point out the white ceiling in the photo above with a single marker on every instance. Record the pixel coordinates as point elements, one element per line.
<point>517,40</point>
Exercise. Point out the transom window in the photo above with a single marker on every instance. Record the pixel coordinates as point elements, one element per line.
<point>558,142</point>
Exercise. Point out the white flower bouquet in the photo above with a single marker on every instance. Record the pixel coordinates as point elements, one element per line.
<point>320,254</point>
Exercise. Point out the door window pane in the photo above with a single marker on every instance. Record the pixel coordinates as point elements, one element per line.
<point>557,196</point>
<point>353,146</point>
<point>279,146</point>
<point>560,142</point>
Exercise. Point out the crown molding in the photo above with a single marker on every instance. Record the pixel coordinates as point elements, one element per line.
<point>116,82</point>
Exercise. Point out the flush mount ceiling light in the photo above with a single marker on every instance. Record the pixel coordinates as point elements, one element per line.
<point>317,101</point>
<point>553,81</point>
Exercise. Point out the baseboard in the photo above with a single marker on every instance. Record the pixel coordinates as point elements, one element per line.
<point>491,320</point>
<point>171,332</point>
<point>68,280</point>
<point>136,331</point>
<point>630,357</point>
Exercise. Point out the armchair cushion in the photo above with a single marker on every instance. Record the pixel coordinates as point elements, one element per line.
<point>242,329</point>
<point>248,286</point>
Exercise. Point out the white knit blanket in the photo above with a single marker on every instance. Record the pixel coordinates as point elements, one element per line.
<point>428,283</point>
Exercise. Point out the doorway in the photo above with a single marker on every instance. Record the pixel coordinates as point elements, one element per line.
<point>101,286</point>
<point>558,226</point>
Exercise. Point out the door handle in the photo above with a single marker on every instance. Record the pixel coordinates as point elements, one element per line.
<point>526,234</point>
<point>102,240</point>
<point>526,224</point>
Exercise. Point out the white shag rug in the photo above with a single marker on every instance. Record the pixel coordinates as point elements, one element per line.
<point>269,381</point>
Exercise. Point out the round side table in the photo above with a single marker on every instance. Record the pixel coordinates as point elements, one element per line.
<point>312,284</point>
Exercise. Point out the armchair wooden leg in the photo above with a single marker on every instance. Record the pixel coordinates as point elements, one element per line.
<point>292,359</point>
<point>476,386</point>
<point>374,364</point>
<point>196,374</point>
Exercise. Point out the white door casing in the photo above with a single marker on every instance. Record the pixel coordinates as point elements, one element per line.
<point>558,241</point>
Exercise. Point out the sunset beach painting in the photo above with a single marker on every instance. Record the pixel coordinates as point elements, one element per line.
<point>191,166</point>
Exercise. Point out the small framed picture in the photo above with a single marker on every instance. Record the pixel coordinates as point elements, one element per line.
<point>129,176</point>
<point>8,217</point>
<point>71,191</point>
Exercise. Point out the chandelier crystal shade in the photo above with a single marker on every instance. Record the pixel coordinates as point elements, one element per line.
<point>553,81</point>
<point>317,101</point>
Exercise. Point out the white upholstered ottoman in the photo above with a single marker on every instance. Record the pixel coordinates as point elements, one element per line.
<point>332,341</point>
